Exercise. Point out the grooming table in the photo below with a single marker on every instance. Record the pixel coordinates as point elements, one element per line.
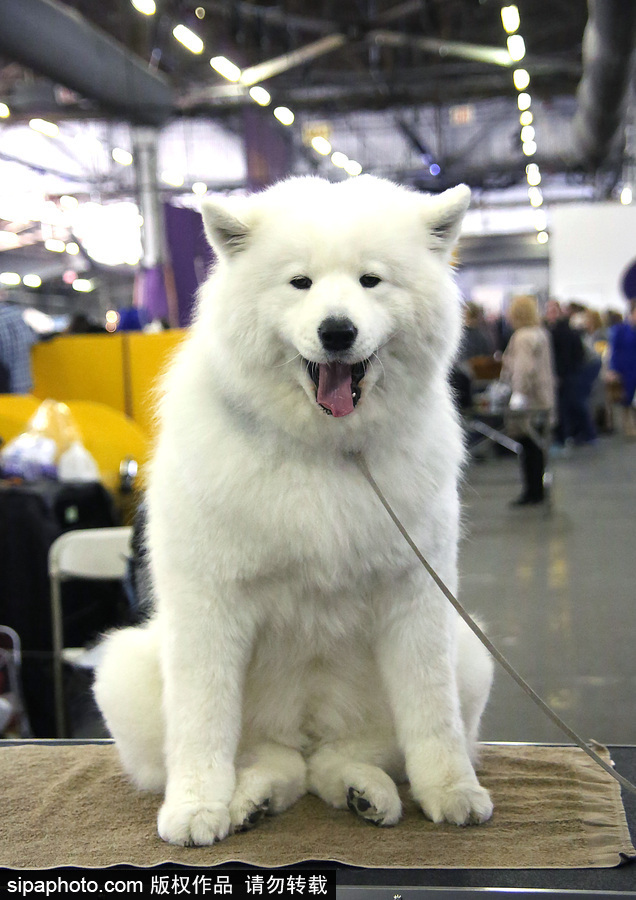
<point>482,419</point>
<point>558,823</point>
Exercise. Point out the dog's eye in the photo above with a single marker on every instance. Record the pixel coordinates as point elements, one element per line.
<point>369,281</point>
<point>301,282</point>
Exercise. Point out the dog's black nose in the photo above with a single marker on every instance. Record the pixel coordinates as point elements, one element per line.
<point>337,333</point>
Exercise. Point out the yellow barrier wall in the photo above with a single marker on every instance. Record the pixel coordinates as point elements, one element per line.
<point>81,367</point>
<point>118,370</point>
<point>108,381</point>
<point>15,412</point>
<point>146,358</point>
<point>110,437</point>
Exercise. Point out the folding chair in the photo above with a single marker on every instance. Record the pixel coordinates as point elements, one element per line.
<point>96,553</point>
<point>13,716</point>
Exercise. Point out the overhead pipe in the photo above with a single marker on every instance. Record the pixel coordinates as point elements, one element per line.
<point>608,44</point>
<point>59,43</point>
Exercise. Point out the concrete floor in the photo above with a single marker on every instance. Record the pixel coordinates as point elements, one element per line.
<point>557,592</point>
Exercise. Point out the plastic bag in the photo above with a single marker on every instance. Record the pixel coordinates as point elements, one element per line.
<point>77,464</point>
<point>518,401</point>
<point>498,394</point>
<point>50,437</point>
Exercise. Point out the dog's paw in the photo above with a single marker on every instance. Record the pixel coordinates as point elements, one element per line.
<point>190,824</point>
<point>460,804</point>
<point>377,803</point>
<point>246,813</point>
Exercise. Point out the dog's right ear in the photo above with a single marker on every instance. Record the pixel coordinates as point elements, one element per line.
<point>227,234</point>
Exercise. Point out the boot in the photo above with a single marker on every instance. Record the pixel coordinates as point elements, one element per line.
<point>532,471</point>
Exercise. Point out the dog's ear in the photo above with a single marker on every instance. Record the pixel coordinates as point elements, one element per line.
<point>444,214</point>
<point>226,233</point>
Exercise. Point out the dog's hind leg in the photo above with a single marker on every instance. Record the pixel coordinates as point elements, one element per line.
<point>270,778</point>
<point>128,692</point>
<point>354,773</point>
<point>474,681</point>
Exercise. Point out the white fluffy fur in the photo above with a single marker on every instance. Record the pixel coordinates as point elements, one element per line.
<point>296,643</point>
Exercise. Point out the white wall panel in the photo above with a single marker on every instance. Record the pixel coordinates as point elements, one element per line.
<point>591,247</point>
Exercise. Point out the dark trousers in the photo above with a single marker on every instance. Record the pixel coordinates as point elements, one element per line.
<point>566,408</point>
<point>532,468</point>
<point>581,420</point>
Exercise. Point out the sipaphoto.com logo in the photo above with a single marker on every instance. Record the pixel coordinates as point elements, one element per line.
<point>51,886</point>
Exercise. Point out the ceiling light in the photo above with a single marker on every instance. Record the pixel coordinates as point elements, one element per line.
<point>226,68</point>
<point>11,279</point>
<point>524,101</point>
<point>321,145</point>
<point>526,118</point>
<point>542,237</point>
<point>533,174</point>
<point>54,245</point>
<point>353,168</point>
<point>540,220</point>
<point>109,234</point>
<point>535,196</point>
<point>521,79</point>
<point>83,285</point>
<point>199,188</point>
<point>260,95</point>
<point>188,38</point>
<point>527,134</point>
<point>72,248</point>
<point>68,202</point>
<point>8,240</point>
<point>284,115</point>
<point>121,156</point>
<point>147,7</point>
<point>529,148</point>
<point>626,195</point>
<point>5,112</point>
<point>510,18</point>
<point>339,159</point>
<point>32,281</point>
<point>174,179</point>
<point>50,129</point>
<point>199,12</point>
<point>434,169</point>
<point>516,47</point>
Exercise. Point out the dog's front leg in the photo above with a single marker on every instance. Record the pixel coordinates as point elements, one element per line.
<point>416,653</point>
<point>206,646</point>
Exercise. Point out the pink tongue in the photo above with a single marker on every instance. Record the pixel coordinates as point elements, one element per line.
<point>334,388</point>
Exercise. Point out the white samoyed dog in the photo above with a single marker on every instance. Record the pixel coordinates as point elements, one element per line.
<point>296,642</point>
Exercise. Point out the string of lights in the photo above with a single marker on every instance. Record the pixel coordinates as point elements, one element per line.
<point>285,116</point>
<point>511,21</point>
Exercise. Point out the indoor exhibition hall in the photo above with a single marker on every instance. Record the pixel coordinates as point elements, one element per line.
<point>317,447</point>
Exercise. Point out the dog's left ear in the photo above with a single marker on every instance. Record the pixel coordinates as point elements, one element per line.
<point>444,214</point>
<point>226,233</point>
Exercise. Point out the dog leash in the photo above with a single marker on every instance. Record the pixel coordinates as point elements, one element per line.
<point>485,640</point>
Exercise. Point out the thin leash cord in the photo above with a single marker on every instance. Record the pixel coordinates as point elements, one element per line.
<point>500,658</point>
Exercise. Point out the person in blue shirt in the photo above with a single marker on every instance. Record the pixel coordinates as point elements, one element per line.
<point>622,364</point>
<point>16,340</point>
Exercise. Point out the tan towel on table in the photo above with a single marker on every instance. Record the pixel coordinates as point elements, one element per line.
<point>554,808</point>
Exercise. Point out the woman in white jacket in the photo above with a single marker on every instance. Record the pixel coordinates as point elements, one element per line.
<point>528,369</point>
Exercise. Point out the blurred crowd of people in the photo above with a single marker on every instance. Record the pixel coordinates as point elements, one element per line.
<point>566,361</point>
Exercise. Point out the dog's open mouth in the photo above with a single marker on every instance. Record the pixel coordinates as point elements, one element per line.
<point>337,385</point>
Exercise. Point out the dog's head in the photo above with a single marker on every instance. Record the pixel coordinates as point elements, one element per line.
<point>341,292</point>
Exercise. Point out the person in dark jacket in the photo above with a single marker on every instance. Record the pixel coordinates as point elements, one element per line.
<point>568,354</point>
